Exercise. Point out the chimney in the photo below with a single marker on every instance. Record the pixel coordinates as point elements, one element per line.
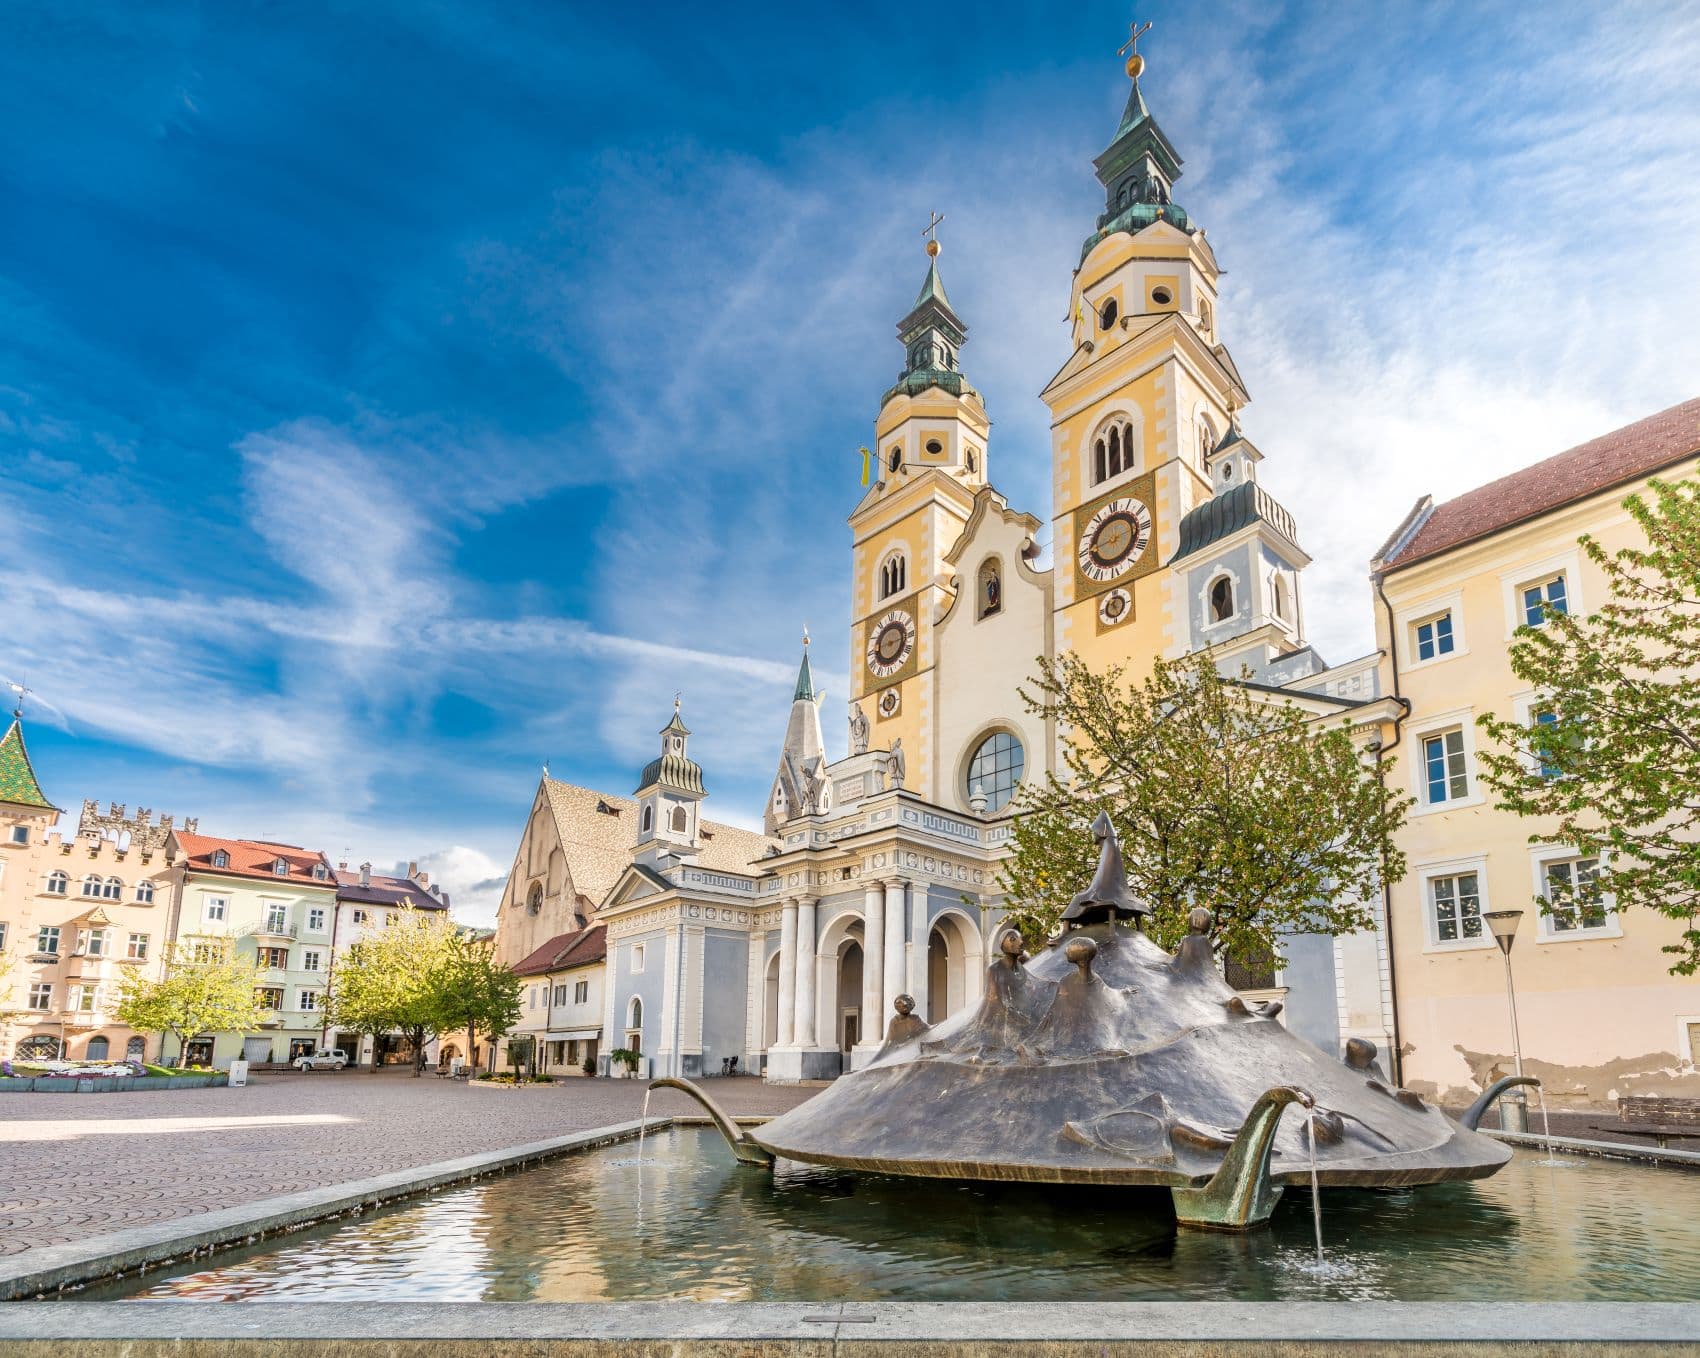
<point>423,878</point>
<point>342,865</point>
<point>365,874</point>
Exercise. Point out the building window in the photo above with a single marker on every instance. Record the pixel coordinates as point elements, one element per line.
<point>275,959</point>
<point>561,993</point>
<point>991,587</point>
<point>1283,600</point>
<point>1434,637</point>
<point>894,457</point>
<point>1537,598</point>
<point>1571,898</point>
<point>1456,902</point>
<point>98,1049</point>
<point>995,770</point>
<point>220,859</point>
<point>1206,439</point>
<point>137,948</point>
<point>681,820</point>
<point>534,901</point>
<point>58,883</point>
<point>144,893</point>
<point>637,957</point>
<point>1112,450</point>
<point>20,834</point>
<point>316,920</point>
<point>93,885</point>
<point>581,992</point>
<point>47,939</point>
<point>1107,313</point>
<point>359,916</point>
<point>85,999</point>
<point>4,930</point>
<point>894,575</point>
<point>310,959</point>
<point>277,919</point>
<point>1221,599</point>
<point>92,942</point>
<point>214,909</point>
<point>206,954</point>
<point>1443,767</point>
<point>114,889</point>
<point>309,1002</point>
<point>41,998</point>
<point>269,997</point>
<point>135,1049</point>
<point>634,1014</point>
<point>320,872</point>
<point>1543,757</point>
<point>280,868</point>
<point>1205,319</point>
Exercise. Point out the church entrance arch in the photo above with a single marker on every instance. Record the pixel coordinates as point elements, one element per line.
<point>956,965</point>
<point>839,981</point>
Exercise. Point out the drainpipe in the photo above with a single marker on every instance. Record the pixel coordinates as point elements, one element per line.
<point>1396,1058</point>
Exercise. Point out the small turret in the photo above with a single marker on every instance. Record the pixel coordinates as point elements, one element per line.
<point>670,789</point>
<point>801,786</point>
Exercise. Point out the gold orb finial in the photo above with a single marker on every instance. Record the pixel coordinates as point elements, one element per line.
<point>931,232</point>
<point>1135,62</point>
<point>1135,66</point>
<point>932,249</point>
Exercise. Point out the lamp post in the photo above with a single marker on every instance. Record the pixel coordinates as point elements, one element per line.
<point>1514,1106</point>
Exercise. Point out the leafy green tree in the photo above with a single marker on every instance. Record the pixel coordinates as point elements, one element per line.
<point>1222,796</point>
<point>1610,762</point>
<point>476,992</point>
<point>205,988</point>
<point>390,980</point>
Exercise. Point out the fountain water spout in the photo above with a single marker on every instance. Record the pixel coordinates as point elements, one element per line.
<point>1473,1114</point>
<point>747,1151</point>
<point>1240,1194</point>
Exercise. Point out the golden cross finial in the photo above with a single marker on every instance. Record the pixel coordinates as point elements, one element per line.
<point>931,232</point>
<point>1135,62</point>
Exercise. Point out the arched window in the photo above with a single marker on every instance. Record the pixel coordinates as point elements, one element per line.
<point>99,1047</point>
<point>534,902</point>
<point>634,1013</point>
<point>894,575</point>
<point>972,459</point>
<point>894,458</point>
<point>38,1048</point>
<point>648,818</point>
<point>1107,313</point>
<point>995,769</point>
<point>990,589</point>
<point>92,885</point>
<point>681,821</point>
<point>114,889</point>
<point>1112,449</point>
<point>1283,603</point>
<point>135,1048</point>
<point>1221,599</point>
<point>1206,439</point>
<point>58,883</point>
<point>144,892</point>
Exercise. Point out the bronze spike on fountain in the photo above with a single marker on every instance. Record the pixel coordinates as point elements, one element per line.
<point>1105,1060</point>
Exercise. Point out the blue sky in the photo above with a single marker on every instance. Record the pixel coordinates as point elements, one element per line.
<point>393,397</point>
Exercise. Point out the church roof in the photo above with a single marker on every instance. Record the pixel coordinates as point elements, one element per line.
<point>1613,459</point>
<point>18,783</point>
<point>578,948</point>
<point>599,830</point>
<point>1227,513</point>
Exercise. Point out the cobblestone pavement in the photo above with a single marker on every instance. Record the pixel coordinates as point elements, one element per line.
<point>78,1165</point>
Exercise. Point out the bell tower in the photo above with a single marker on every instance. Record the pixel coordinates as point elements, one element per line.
<point>927,463</point>
<point>1146,394</point>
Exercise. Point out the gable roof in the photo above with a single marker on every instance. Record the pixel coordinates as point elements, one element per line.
<point>599,830</point>
<point>254,858</point>
<point>579,948</point>
<point>18,783</point>
<point>383,890</point>
<point>1613,459</point>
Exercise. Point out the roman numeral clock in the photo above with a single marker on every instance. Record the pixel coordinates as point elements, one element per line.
<point>1113,548</point>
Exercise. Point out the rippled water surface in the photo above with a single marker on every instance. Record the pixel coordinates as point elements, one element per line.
<point>688,1222</point>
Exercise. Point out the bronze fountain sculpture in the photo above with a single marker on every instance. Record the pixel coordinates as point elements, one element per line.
<point>1105,1060</point>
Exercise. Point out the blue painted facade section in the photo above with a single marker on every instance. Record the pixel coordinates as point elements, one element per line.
<point>725,982</point>
<point>1313,1010</point>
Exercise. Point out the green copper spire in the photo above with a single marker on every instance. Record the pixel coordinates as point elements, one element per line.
<point>932,290</point>
<point>18,783</point>
<point>1138,170</point>
<point>805,680</point>
<point>932,335</point>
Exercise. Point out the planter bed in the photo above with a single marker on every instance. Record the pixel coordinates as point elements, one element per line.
<point>112,1084</point>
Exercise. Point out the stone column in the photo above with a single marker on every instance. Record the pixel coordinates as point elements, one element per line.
<point>805,1027</point>
<point>918,932</point>
<point>895,933</point>
<point>787,973</point>
<point>873,964</point>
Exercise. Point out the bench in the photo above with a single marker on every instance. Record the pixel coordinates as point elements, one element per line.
<point>1661,1117</point>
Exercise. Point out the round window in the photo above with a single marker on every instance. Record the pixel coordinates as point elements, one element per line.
<point>996,769</point>
<point>934,447</point>
<point>1162,296</point>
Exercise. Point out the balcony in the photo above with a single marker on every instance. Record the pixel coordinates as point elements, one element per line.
<point>286,931</point>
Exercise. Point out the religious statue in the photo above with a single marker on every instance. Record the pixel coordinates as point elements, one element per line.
<point>858,730</point>
<point>897,763</point>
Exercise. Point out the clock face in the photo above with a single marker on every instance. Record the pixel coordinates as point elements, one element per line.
<point>1116,537</point>
<point>890,644</point>
<point>1114,607</point>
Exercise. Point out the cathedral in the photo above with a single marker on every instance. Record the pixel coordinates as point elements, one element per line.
<point>783,953</point>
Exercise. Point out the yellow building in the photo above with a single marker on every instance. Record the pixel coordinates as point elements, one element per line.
<point>76,915</point>
<point>1600,1014</point>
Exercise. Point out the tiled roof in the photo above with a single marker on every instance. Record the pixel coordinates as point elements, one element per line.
<point>18,783</point>
<point>255,858</point>
<point>1613,459</point>
<point>579,948</point>
<point>598,842</point>
<point>386,891</point>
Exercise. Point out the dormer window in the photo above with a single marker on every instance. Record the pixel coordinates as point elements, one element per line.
<point>280,867</point>
<point>1112,450</point>
<point>319,872</point>
<point>220,859</point>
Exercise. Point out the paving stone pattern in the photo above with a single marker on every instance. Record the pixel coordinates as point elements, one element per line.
<point>80,1165</point>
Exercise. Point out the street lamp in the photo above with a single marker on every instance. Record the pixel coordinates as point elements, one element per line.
<point>1514,1107</point>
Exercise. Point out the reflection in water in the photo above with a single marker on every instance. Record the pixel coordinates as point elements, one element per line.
<point>713,1230</point>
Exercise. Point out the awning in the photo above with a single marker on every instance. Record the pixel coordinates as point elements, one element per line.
<point>571,1034</point>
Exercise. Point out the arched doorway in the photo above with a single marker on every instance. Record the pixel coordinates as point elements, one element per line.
<point>770,1005</point>
<point>956,966</point>
<point>849,1023</point>
<point>838,979</point>
<point>99,1048</point>
<point>41,1047</point>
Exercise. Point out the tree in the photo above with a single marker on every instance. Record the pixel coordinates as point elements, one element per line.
<point>1222,796</point>
<point>476,992</point>
<point>389,981</point>
<point>205,988</point>
<point>1610,758</point>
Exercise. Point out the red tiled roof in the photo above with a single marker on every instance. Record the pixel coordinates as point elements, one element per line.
<point>576,949</point>
<point>254,858</point>
<point>1614,459</point>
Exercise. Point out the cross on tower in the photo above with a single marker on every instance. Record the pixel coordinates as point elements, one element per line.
<point>1136,31</point>
<point>21,693</point>
<point>931,232</point>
